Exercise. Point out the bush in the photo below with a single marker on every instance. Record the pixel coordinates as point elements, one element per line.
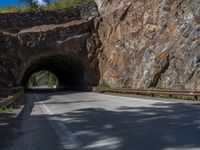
<point>104,84</point>
<point>9,9</point>
<point>59,4</point>
<point>42,78</point>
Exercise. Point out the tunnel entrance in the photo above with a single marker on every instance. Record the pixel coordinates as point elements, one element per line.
<point>69,71</point>
<point>42,79</point>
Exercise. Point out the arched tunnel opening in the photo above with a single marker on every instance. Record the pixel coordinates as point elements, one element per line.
<point>70,71</point>
<point>43,79</point>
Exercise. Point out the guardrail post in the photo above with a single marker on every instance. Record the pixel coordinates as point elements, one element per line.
<point>10,100</point>
<point>152,95</point>
<point>152,92</point>
<point>196,98</point>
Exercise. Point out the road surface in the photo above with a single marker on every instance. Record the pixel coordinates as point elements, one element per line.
<point>90,121</point>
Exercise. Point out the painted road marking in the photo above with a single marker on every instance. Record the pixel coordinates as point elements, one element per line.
<point>68,140</point>
<point>137,99</point>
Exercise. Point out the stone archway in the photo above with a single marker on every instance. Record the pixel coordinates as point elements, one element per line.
<point>70,70</point>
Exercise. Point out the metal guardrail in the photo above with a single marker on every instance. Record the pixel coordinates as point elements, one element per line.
<point>150,91</point>
<point>11,99</point>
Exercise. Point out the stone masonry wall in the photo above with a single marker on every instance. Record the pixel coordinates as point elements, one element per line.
<point>28,38</point>
<point>21,20</point>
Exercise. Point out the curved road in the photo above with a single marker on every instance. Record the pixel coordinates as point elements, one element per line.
<point>90,121</point>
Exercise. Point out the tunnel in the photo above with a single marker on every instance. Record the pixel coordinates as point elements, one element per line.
<point>69,70</point>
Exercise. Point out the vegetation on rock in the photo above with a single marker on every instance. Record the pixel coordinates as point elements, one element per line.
<point>33,6</point>
<point>43,78</point>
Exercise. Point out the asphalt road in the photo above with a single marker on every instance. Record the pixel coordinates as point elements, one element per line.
<point>89,121</point>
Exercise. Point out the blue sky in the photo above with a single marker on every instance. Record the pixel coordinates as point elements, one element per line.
<point>5,3</point>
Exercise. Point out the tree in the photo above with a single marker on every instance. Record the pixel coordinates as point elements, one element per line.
<point>47,1</point>
<point>32,3</point>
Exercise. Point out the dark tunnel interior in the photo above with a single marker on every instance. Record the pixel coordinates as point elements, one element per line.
<point>69,70</point>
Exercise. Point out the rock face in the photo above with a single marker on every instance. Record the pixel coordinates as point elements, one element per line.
<point>133,43</point>
<point>66,47</point>
<point>150,43</point>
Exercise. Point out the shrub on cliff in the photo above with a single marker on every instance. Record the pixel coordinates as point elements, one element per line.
<point>62,4</point>
<point>31,3</point>
<point>59,4</point>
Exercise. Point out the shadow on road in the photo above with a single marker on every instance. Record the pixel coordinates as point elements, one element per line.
<point>11,123</point>
<point>174,126</point>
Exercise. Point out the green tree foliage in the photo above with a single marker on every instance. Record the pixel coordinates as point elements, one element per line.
<point>32,3</point>
<point>42,78</point>
<point>33,6</point>
<point>61,4</point>
<point>52,80</point>
<point>9,9</point>
<point>47,1</point>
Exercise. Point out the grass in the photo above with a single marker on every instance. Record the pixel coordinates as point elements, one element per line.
<point>6,110</point>
<point>65,4</point>
<point>192,98</point>
<point>59,4</point>
<point>104,84</point>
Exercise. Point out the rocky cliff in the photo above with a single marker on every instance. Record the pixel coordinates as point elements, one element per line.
<point>150,43</point>
<point>63,42</point>
<point>144,43</point>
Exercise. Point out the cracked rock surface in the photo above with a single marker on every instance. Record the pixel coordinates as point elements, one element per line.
<point>150,43</point>
<point>125,43</point>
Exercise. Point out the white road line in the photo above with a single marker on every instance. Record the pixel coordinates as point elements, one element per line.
<point>68,140</point>
<point>47,110</point>
<point>133,98</point>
